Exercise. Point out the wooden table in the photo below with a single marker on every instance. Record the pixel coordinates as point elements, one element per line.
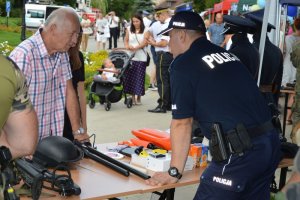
<point>99,182</point>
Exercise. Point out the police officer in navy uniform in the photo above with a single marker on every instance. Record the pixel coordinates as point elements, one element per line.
<point>164,59</point>
<point>241,46</point>
<point>272,67</point>
<point>210,85</point>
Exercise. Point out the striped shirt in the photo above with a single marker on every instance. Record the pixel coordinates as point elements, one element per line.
<point>47,77</point>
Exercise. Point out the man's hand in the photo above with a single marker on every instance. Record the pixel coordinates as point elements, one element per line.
<point>151,41</point>
<point>161,178</point>
<point>82,137</point>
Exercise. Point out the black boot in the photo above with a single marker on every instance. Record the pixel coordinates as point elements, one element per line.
<point>158,109</point>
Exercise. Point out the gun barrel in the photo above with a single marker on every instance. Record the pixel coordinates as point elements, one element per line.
<point>122,165</point>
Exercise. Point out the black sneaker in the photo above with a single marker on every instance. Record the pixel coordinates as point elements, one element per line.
<point>152,87</point>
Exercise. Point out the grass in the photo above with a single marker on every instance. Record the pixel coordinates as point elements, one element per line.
<point>13,38</point>
<point>11,21</point>
<point>12,32</point>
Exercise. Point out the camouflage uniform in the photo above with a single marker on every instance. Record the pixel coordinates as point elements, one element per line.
<point>14,90</point>
<point>295,58</point>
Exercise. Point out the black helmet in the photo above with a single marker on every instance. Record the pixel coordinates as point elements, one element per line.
<point>55,150</point>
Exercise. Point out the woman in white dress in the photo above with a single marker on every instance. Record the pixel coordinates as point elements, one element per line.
<point>135,76</point>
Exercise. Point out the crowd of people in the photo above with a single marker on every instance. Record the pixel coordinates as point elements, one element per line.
<point>196,77</point>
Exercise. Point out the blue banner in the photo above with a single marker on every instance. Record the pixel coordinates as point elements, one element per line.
<point>7,6</point>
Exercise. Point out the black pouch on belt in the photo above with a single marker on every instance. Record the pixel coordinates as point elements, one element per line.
<point>239,140</point>
<point>217,144</point>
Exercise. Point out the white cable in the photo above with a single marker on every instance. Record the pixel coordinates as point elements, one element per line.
<point>226,164</point>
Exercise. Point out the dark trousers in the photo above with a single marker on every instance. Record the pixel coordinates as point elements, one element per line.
<point>68,133</point>
<point>164,60</point>
<point>154,56</point>
<point>113,34</point>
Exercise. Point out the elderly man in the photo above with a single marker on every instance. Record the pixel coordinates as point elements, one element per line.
<point>208,85</point>
<point>44,60</point>
<point>18,120</point>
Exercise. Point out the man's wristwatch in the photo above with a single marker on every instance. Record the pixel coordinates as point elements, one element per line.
<point>79,131</point>
<point>173,171</point>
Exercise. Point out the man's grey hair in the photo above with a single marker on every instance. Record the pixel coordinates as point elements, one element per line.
<point>59,16</point>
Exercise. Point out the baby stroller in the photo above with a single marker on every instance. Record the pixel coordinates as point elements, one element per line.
<point>112,91</point>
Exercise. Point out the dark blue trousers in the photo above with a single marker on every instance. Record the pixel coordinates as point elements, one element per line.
<point>246,177</point>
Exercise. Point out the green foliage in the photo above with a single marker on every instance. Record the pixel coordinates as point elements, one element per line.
<point>140,5</point>
<point>123,8</point>
<point>5,48</point>
<point>92,62</point>
<point>71,3</point>
<point>12,36</point>
<point>16,8</point>
<point>210,3</point>
<point>11,21</point>
<point>201,5</point>
<point>198,6</point>
<point>100,4</point>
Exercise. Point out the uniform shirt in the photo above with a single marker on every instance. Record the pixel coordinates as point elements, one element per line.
<point>246,52</point>
<point>210,85</point>
<point>47,77</point>
<point>146,21</point>
<point>272,66</point>
<point>14,90</point>
<point>216,36</point>
<point>156,28</point>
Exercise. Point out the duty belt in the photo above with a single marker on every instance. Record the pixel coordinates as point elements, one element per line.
<point>266,88</point>
<point>259,130</point>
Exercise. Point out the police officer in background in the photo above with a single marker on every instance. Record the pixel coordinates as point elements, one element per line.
<point>241,46</point>
<point>272,66</point>
<point>164,59</point>
<point>18,120</point>
<point>210,85</point>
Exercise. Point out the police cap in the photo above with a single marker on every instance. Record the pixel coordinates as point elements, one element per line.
<point>145,13</point>
<point>236,24</point>
<point>185,20</point>
<point>159,10</point>
<point>184,7</point>
<point>257,17</point>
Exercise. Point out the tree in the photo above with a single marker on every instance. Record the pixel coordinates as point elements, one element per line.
<point>201,5</point>
<point>123,8</point>
<point>211,3</point>
<point>71,3</point>
<point>140,5</point>
<point>100,4</point>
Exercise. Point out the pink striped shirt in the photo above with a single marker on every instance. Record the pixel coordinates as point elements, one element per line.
<point>47,77</point>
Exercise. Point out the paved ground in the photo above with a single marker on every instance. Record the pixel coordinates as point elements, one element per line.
<point>116,125</point>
